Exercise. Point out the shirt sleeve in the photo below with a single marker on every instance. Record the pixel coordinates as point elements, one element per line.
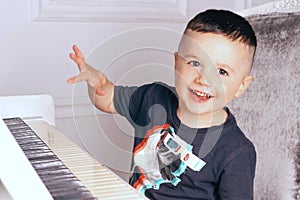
<point>238,177</point>
<point>122,97</point>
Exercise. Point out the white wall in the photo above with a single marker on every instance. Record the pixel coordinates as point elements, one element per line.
<point>34,59</point>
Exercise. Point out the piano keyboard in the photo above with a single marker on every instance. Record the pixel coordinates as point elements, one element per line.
<point>66,170</point>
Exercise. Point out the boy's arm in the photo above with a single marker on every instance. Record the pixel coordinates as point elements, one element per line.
<point>237,179</point>
<point>100,89</point>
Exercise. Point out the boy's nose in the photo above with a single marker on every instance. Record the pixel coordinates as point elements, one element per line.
<point>203,77</point>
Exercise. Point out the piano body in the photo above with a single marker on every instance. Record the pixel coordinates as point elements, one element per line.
<point>60,168</point>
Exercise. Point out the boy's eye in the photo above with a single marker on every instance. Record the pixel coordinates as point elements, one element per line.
<point>194,63</point>
<point>223,72</point>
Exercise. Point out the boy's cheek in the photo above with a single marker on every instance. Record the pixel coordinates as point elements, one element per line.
<point>227,94</point>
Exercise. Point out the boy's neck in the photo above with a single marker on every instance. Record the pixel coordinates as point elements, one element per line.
<point>206,120</point>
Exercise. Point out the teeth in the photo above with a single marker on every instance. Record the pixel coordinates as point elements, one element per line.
<point>200,94</point>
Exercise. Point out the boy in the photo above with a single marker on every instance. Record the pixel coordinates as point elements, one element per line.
<point>187,144</point>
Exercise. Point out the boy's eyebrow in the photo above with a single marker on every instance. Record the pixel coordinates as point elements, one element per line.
<point>190,56</point>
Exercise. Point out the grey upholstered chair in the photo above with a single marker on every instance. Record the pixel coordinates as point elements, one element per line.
<point>269,111</point>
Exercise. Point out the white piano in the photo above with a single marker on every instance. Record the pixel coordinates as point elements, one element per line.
<point>19,179</point>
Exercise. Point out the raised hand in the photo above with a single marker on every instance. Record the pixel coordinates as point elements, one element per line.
<point>93,77</point>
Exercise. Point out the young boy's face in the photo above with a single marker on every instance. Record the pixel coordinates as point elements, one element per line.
<point>211,70</point>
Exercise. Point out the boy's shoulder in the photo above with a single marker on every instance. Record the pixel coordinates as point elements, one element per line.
<point>148,104</point>
<point>233,141</point>
<point>156,87</point>
<point>154,93</point>
<point>232,132</point>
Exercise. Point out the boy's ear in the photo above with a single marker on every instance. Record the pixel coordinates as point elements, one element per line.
<point>175,55</point>
<point>175,59</point>
<point>243,86</point>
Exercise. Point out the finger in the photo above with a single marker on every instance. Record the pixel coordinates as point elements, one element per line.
<point>78,52</point>
<point>76,79</point>
<point>71,80</point>
<point>77,60</point>
<point>72,56</point>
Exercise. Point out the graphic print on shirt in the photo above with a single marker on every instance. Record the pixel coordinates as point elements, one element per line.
<point>161,158</point>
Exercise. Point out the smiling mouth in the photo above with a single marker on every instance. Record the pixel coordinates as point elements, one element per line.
<point>199,96</point>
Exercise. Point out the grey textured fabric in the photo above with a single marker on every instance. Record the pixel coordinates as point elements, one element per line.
<point>268,112</point>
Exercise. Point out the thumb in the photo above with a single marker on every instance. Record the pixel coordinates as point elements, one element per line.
<point>100,91</point>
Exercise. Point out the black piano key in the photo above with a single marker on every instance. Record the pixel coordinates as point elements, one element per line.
<point>58,171</point>
<point>59,180</point>
<point>59,177</point>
